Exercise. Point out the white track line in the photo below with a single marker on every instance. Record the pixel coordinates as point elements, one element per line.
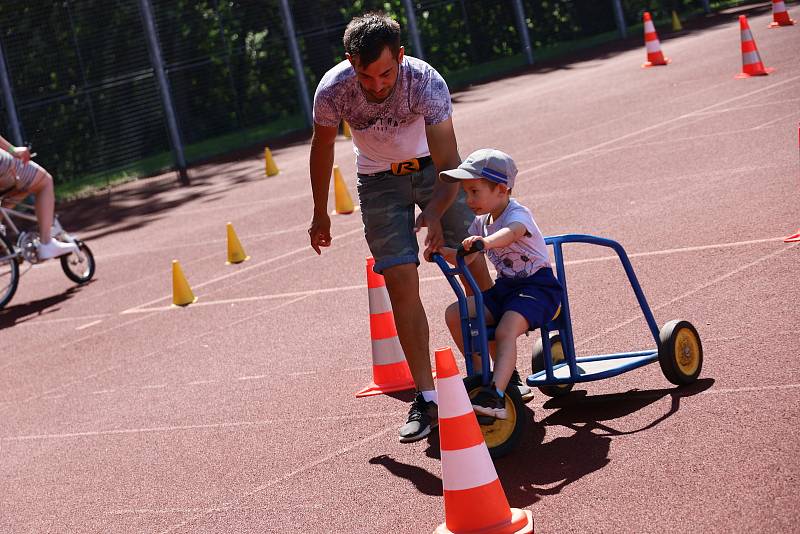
<point>238,272</point>
<point>686,294</point>
<point>652,127</point>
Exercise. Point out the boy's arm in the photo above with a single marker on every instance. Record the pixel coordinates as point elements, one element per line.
<point>501,238</point>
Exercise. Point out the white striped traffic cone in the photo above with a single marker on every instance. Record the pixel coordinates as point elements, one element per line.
<point>654,55</point>
<point>474,500</point>
<point>780,17</point>
<point>390,370</point>
<point>751,59</point>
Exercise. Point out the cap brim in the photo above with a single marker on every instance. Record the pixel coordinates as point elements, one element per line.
<point>455,175</point>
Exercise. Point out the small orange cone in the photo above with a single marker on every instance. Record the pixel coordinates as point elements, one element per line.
<point>751,59</point>
<point>344,204</point>
<point>346,130</point>
<point>653,46</point>
<point>474,500</point>
<point>269,164</point>
<point>390,370</point>
<point>793,238</point>
<point>780,17</point>
<point>236,253</point>
<point>181,292</point>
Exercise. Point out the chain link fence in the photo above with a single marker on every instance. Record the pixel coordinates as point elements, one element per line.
<point>84,85</point>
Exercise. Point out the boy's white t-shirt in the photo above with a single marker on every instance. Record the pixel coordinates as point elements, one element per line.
<point>523,257</point>
<point>390,131</point>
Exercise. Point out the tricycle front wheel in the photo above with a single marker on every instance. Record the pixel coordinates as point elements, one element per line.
<point>502,435</point>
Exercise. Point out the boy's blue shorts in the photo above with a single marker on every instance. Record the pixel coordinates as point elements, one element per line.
<point>535,297</point>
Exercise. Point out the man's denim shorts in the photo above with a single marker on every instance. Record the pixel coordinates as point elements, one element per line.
<point>535,297</point>
<point>387,210</point>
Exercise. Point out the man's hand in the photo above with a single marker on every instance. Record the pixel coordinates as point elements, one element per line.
<point>435,238</point>
<point>320,232</point>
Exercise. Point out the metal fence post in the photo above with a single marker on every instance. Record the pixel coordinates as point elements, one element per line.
<point>413,31</point>
<point>297,62</point>
<point>619,16</point>
<point>8,96</point>
<point>522,27</point>
<point>163,83</point>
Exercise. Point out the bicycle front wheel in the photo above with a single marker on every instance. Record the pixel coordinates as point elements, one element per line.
<point>9,272</point>
<point>79,267</point>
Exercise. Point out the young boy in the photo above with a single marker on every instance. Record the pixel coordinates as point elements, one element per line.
<point>526,294</point>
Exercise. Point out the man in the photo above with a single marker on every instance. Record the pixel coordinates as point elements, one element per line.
<point>400,116</point>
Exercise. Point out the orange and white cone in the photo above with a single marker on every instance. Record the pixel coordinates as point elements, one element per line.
<point>654,55</point>
<point>795,238</point>
<point>390,370</point>
<point>474,500</point>
<point>780,17</point>
<point>751,59</point>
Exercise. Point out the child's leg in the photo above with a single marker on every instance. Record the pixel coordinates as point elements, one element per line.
<point>453,320</point>
<point>512,325</point>
<point>44,191</point>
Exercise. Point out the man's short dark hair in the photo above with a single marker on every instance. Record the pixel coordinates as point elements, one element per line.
<point>366,37</point>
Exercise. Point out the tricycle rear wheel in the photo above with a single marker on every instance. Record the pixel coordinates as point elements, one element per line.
<point>537,364</point>
<point>680,352</point>
<point>502,435</point>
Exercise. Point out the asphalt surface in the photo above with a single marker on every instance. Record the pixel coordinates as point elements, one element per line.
<point>119,413</point>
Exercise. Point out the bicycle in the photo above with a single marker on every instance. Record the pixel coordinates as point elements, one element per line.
<point>18,245</point>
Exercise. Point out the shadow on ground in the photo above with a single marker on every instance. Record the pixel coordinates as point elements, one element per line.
<point>537,468</point>
<point>20,313</point>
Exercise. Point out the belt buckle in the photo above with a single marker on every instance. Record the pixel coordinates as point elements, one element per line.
<point>403,168</point>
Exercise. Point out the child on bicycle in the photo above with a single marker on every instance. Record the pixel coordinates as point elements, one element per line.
<point>20,177</point>
<point>526,294</point>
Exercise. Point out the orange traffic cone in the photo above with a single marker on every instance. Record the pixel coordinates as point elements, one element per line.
<point>654,55</point>
<point>474,500</point>
<point>751,59</point>
<point>780,17</point>
<point>390,370</point>
<point>793,238</point>
<point>346,130</point>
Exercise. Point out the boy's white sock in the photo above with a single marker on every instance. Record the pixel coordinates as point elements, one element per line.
<point>430,395</point>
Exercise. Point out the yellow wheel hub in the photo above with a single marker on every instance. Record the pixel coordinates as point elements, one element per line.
<point>687,351</point>
<point>501,430</point>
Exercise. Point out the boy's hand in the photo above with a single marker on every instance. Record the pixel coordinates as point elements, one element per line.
<point>467,243</point>
<point>21,152</point>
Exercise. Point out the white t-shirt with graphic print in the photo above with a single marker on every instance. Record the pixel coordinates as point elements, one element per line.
<point>390,131</point>
<point>523,257</point>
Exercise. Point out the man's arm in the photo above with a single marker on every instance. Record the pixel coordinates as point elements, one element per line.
<point>321,164</point>
<point>444,151</point>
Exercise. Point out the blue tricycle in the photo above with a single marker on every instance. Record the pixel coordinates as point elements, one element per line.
<point>555,366</point>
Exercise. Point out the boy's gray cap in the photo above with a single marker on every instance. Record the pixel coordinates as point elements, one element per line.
<point>494,165</point>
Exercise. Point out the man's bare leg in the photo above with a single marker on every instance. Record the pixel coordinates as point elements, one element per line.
<point>402,284</point>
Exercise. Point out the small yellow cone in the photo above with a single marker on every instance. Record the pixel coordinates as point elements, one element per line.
<point>236,253</point>
<point>676,23</point>
<point>181,292</point>
<point>346,130</point>
<point>270,168</point>
<point>344,204</point>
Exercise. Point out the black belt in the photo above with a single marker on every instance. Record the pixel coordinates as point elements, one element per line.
<point>406,167</point>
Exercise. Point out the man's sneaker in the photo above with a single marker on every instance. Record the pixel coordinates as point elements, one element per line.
<point>525,392</point>
<point>54,249</point>
<point>422,417</point>
<point>487,402</point>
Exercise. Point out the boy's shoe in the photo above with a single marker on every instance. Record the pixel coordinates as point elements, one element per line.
<point>54,249</point>
<point>525,392</point>
<point>422,417</point>
<point>487,402</point>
